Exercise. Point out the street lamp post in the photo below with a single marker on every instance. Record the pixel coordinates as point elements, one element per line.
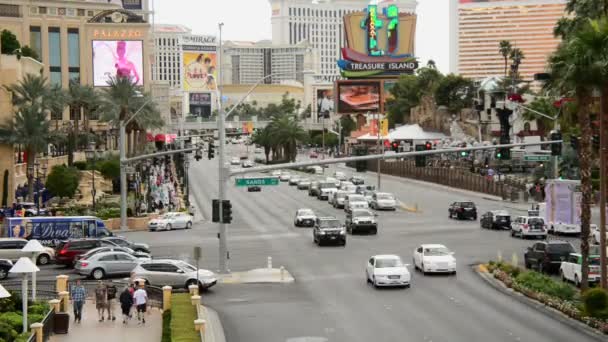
<point>91,155</point>
<point>24,266</point>
<point>186,181</point>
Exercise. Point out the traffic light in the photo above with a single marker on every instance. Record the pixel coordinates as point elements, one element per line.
<point>503,153</point>
<point>361,165</point>
<point>199,154</point>
<point>428,146</point>
<point>211,151</point>
<point>395,146</point>
<point>464,154</point>
<point>556,149</point>
<point>215,210</point>
<point>420,160</point>
<point>226,211</point>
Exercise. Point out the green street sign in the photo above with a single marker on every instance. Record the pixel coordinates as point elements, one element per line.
<point>257,181</point>
<point>537,158</point>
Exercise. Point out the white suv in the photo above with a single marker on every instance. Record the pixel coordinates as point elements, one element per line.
<point>525,226</point>
<point>10,248</point>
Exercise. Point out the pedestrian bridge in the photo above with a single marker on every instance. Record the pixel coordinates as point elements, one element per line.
<point>201,124</point>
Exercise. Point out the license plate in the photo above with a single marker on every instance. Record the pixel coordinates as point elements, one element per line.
<point>393,277</point>
<point>333,237</point>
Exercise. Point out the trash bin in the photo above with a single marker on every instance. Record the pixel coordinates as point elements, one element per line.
<point>61,323</point>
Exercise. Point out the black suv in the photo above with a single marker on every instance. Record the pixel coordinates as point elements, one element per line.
<point>495,219</point>
<point>547,256</point>
<point>463,210</point>
<point>314,190</point>
<point>361,219</point>
<point>329,229</point>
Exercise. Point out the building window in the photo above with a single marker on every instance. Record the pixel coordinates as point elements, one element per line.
<point>61,11</point>
<point>80,12</point>
<point>42,10</point>
<point>75,113</point>
<point>55,55</point>
<point>36,39</point>
<point>71,12</point>
<point>73,48</point>
<point>90,13</point>
<point>58,115</point>
<point>9,11</point>
<point>236,69</point>
<point>33,10</point>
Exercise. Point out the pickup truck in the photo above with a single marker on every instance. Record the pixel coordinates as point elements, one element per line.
<point>570,270</point>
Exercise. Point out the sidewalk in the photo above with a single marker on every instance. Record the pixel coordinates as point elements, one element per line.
<point>90,330</point>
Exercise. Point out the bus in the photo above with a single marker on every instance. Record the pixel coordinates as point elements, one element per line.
<point>49,230</point>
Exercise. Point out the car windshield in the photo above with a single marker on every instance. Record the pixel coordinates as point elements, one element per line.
<point>467,205</point>
<point>330,224</point>
<point>594,261</point>
<point>187,266</point>
<point>356,198</point>
<point>561,248</point>
<point>385,196</point>
<point>306,212</point>
<point>167,216</point>
<point>362,213</point>
<point>436,251</point>
<point>340,195</point>
<point>384,263</point>
<point>327,185</point>
<point>536,221</point>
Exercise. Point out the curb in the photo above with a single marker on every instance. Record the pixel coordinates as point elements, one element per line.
<point>214,331</point>
<point>549,311</point>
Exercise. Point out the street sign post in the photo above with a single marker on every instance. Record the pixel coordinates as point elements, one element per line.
<point>263,181</point>
<point>537,158</point>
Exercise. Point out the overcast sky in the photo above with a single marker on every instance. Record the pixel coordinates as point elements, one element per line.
<point>250,20</point>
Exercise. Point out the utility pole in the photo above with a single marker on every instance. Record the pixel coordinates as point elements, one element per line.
<point>222,171</point>
<point>603,189</point>
<point>123,176</point>
<point>378,149</point>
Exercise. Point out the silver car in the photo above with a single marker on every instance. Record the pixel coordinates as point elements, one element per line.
<point>175,273</point>
<point>101,265</point>
<point>10,248</point>
<point>170,221</point>
<point>137,254</point>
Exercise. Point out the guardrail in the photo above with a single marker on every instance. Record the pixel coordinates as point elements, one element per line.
<point>48,325</point>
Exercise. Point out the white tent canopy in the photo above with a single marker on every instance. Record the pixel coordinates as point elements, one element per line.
<point>406,132</point>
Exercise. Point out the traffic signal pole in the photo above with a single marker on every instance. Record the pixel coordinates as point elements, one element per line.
<point>222,170</point>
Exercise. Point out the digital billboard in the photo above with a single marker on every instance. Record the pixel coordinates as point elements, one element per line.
<point>358,97</point>
<point>200,71</point>
<point>200,104</point>
<point>117,58</point>
<point>325,102</point>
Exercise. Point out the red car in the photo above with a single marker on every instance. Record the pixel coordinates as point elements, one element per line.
<point>313,155</point>
<point>67,251</point>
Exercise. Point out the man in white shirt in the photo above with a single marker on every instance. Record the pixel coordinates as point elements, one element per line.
<point>140,297</point>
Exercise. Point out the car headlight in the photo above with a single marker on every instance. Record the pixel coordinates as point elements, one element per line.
<point>322,232</point>
<point>343,232</point>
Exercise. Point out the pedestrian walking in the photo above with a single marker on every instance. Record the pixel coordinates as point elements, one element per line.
<point>79,295</point>
<point>126,302</point>
<point>101,299</point>
<point>141,301</point>
<point>111,288</point>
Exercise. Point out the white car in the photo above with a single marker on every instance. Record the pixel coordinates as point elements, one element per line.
<point>353,198</point>
<point>235,161</point>
<point>352,205</point>
<point>294,180</point>
<point>175,273</point>
<point>284,177</point>
<point>434,258</point>
<point>317,170</point>
<point>341,176</point>
<point>258,150</point>
<point>383,200</point>
<point>305,218</point>
<point>344,184</point>
<point>333,180</point>
<point>368,195</point>
<point>276,173</point>
<point>529,226</point>
<point>304,184</point>
<point>387,270</point>
<point>171,221</point>
<point>595,231</point>
<point>570,269</point>
<point>337,200</point>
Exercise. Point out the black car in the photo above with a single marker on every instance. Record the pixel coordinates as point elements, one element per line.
<point>547,256</point>
<point>5,266</point>
<point>122,242</point>
<point>361,220</point>
<point>329,230</point>
<point>314,190</point>
<point>254,188</point>
<point>495,219</point>
<point>463,210</point>
<point>356,180</point>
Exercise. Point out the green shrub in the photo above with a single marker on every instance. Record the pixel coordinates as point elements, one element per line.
<point>35,318</point>
<point>63,181</point>
<point>7,332</point>
<point>542,283</point>
<point>80,165</point>
<point>13,319</point>
<point>108,213</point>
<point>595,302</point>
<point>109,168</point>
<point>166,337</point>
<point>183,315</point>
<point>38,309</point>
<point>23,337</point>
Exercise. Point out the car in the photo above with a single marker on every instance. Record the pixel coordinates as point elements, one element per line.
<point>258,150</point>
<point>235,161</point>
<point>529,226</point>
<point>495,219</point>
<point>112,263</point>
<point>5,267</point>
<point>350,189</point>
<point>329,230</point>
<point>383,201</point>
<point>30,209</point>
<point>361,219</point>
<point>122,242</point>
<point>139,255</point>
<point>317,170</point>
<point>304,184</point>
<point>462,210</point>
<point>10,248</point>
<point>294,180</point>
<point>170,221</point>
<point>345,184</point>
<point>337,199</point>
<point>313,155</point>
<point>547,256</point>
<point>247,164</point>
<point>595,232</point>
<point>333,180</point>
<point>362,189</point>
<point>357,180</point>
<point>353,198</point>
<point>254,188</point>
<point>304,218</point>
<point>387,270</point>
<point>276,173</point>
<point>175,273</point>
<point>570,269</point>
<point>325,188</point>
<point>67,251</point>
<point>434,258</point>
<point>284,177</point>
<point>339,175</point>
<point>352,205</point>
<point>314,189</point>
<point>368,195</point>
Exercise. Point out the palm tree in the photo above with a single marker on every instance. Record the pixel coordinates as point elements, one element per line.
<point>81,98</point>
<point>288,132</point>
<point>504,48</point>
<point>30,128</point>
<point>263,137</point>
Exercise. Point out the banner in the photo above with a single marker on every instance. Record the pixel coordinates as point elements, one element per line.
<point>200,71</point>
<point>200,104</point>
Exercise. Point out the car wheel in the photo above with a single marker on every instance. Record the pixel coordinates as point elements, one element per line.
<point>414,263</point>
<point>374,282</point>
<point>98,274</point>
<point>512,233</point>
<point>527,264</point>
<point>189,225</point>
<point>43,259</point>
<point>375,231</point>
<point>191,282</point>
<point>169,226</point>
<point>3,273</point>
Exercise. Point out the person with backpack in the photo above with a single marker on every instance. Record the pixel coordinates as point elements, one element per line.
<point>111,290</point>
<point>126,302</point>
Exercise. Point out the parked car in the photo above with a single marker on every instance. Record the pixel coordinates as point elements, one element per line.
<point>595,232</point>
<point>383,200</point>
<point>30,209</point>
<point>434,258</point>
<point>67,251</point>
<point>5,267</point>
<point>304,184</point>
<point>462,210</point>
<point>247,164</point>
<point>313,155</point>
<point>304,218</point>
<point>361,219</point>
<point>529,226</point>
<point>112,263</point>
<point>10,248</point>
<point>387,270</point>
<point>329,229</point>
<point>314,190</point>
<point>175,273</point>
<point>570,269</point>
<point>170,221</point>
<point>495,219</point>
<point>258,150</point>
<point>139,255</point>
<point>547,256</point>
<point>122,242</point>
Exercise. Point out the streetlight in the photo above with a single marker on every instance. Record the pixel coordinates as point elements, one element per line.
<point>186,181</point>
<point>34,247</point>
<point>24,266</point>
<point>91,155</point>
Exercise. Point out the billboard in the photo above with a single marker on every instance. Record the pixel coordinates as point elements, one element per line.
<point>358,97</point>
<point>325,102</point>
<point>200,104</point>
<point>117,58</point>
<point>132,4</point>
<point>200,71</point>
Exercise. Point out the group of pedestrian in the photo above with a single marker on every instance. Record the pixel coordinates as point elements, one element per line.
<point>105,296</point>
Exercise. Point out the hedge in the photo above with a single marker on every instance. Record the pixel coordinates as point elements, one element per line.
<point>166,337</point>
<point>183,314</point>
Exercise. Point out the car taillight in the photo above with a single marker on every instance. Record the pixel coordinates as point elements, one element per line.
<point>63,251</point>
<point>525,226</point>
<point>84,264</point>
<point>460,209</point>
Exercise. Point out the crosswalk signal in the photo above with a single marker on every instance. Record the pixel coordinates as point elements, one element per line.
<point>428,146</point>
<point>395,146</point>
<point>226,211</point>
<point>198,155</point>
<point>215,210</point>
<point>211,151</point>
<point>556,149</point>
<point>420,160</point>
